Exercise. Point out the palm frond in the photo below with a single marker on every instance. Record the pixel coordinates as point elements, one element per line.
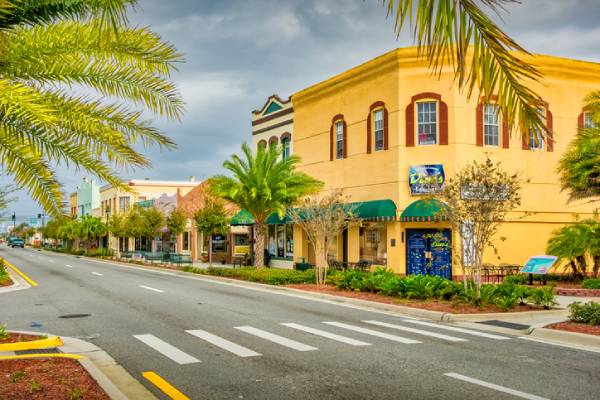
<point>457,33</point>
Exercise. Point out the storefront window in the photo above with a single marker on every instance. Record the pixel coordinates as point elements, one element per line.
<point>185,242</point>
<point>373,240</point>
<point>280,241</point>
<point>219,244</point>
<point>289,240</point>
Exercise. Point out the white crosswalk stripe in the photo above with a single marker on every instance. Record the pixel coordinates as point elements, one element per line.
<point>166,349</point>
<point>223,343</point>
<point>292,344</point>
<point>325,334</point>
<point>417,331</point>
<point>454,329</point>
<point>371,332</point>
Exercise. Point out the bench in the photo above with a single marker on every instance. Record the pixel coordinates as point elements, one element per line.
<point>180,259</point>
<point>126,254</point>
<point>152,257</point>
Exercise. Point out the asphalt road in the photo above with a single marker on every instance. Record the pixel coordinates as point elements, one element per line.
<point>239,349</point>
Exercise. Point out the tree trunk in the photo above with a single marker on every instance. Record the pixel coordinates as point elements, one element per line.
<point>596,266</point>
<point>321,263</point>
<point>259,254</point>
<point>209,250</point>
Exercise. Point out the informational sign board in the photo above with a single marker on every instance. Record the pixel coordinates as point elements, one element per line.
<point>425,179</point>
<point>538,265</point>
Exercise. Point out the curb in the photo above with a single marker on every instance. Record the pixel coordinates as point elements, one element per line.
<point>515,316</point>
<point>556,335</point>
<point>112,377</point>
<point>18,283</point>
<point>47,343</point>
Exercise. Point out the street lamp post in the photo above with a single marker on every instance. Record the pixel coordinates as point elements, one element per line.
<point>107,212</point>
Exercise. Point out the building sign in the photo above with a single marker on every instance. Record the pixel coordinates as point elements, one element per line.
<point>425,179</point>
<point>538,265</point>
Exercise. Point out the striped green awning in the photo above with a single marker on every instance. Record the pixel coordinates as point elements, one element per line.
<point>242,218</point>
<point>425,210</point>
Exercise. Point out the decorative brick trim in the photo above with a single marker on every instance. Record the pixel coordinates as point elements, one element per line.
<point>268,128</point>
<point>426,95</point>
<point>273,140</point>
<point>285,135</point>
<point>262,143</point>
<point>270,117</point>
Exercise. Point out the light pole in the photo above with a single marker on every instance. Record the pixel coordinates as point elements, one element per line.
<point>107,212</point>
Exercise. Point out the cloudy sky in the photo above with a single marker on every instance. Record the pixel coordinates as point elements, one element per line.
<point>238,52</point>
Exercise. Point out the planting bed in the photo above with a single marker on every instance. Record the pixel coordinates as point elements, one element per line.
<point>577,327</point>
<point>19,337</point>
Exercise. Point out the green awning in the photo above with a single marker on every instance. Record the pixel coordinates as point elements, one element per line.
<point>242,218</point>
<point>425,210</point>
<point>145,203</point>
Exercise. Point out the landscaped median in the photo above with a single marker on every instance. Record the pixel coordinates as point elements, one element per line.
<point>4,278</point>
<point>583,318</point>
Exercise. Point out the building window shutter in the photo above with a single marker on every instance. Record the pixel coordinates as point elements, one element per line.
<point>345,133</point>
<point>385,129</point>
<point>479,125</point>
<point>331,143</point>
<point>443,123</point>
<point>580,121</point>
<point>525,139</point>
<point>410,125</point>
<point>369,132</point>
<point>550,131</point>
<point>505,135</point>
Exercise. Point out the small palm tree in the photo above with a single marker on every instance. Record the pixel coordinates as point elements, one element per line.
<point>459,34</point>
<point>90,229</point>
<point>50,47</point>
<point>263,183</point>
<point>571,243</point>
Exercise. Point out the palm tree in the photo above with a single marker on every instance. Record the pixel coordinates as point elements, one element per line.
<point>571,243</point>
<point>459,34</point>
<point>579,166</point>
<point>49,47</point>
<point>91,228</point>
<point>263,184</point>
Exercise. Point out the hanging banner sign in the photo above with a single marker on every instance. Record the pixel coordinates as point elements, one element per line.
<point>425,179</point>
<point>538,265</point>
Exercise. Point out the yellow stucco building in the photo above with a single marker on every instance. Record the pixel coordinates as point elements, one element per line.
<point>364,130</point>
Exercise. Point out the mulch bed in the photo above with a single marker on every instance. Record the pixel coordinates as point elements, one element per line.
<point>51,378</point>
<point>577,327</point>
<point>433,305</point>
<point>6,281</point>
<point>19,337</point>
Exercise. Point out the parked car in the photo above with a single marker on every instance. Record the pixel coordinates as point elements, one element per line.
<point>16,242</point>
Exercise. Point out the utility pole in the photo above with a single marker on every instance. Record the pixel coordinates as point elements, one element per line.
<point>14,218</point>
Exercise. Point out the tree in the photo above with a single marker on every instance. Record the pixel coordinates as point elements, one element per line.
<point>478,198</point>
<point>211,220</point>
<point>176,222</point>
<point>579,167</point>
<point>572,243</point>
<point>90,229</point>
<point>51,47</point>
<point>68,230</point>
<point>459,34</point>
<point>263,184</point>
<point>154,221</point>
<point>323,219</point>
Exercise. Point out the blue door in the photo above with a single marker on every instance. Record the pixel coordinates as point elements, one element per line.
<point>429,252</point>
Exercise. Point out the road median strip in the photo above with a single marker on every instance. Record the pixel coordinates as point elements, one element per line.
<point>22,274</point>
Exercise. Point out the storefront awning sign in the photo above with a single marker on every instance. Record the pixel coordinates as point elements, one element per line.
<point>425,179</point>
<point>538,264</point>
<point>425,210</point>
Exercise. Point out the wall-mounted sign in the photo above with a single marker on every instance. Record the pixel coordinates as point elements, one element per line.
<point>425,179</point>
<point>538,265</point>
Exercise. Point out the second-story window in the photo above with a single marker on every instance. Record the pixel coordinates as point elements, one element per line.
<point>124,203</point>
<point>588,122</point>
<point>427,122</point>
<point>536,136</point>
<point>491,125</point>
<point>378,129</point>
<point>339,139</point>
<point>285,148</point>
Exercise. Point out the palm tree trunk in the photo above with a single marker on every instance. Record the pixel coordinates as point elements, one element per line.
<point>210,250</point>
<point>259,245</point>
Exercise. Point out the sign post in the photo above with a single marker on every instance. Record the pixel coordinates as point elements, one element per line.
<point>538,265</point>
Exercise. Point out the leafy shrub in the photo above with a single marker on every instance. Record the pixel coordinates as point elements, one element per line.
<point>588,313</point>
<point>3,271</point>
<point>3,333</point>
<point>350,279</point>
<point>487,294</point>
<point>265,275</point>
<point>516,279</point>
<point>591,283</point>
<point>543,296</point>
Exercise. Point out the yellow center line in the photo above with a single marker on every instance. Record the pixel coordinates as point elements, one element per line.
<point>165,386</point>
<point>18,271</point>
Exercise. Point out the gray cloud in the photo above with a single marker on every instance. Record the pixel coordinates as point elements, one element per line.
<point>239,52</point>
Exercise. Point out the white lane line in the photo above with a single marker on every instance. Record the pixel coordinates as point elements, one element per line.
<point>224,343</point>
<point>326,334</point>
<point>50,260</point>
<point>495,387</point>
<point>97,274</point>
<point>417,331</point>
<point>453,329</point>
<point>292,344</point>
<point>68,266</point>
<point>565,345</point>
<point>151,288</point>
<point>166,349</point>
<point>371,332</point>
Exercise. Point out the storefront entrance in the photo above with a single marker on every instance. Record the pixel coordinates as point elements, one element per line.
<point>429,252</point>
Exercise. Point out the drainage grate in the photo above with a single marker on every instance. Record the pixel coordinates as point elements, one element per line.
<point>504,324</point>
<point>75,316</point>
<point>53,350</point>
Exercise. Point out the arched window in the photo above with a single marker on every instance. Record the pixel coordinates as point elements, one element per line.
<point>262,143</point>
<point>536,139</point>
<point>584,120</point>
<point>286,140</point>
<point>338,146</point>
<point>431,120</point>
<point>273,141</point>
<point>491,130</point>
<point>377,127</point>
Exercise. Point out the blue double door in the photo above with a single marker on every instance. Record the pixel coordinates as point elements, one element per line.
<point>429,252</point>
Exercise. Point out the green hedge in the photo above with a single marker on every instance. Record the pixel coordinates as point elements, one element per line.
<point>263,275</point>
<point>3,271</point>
<point>506,295</point>
<point>591,283</point>
<point>588,313</point>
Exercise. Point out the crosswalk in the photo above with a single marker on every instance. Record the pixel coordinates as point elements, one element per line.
<point>351,334</point>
